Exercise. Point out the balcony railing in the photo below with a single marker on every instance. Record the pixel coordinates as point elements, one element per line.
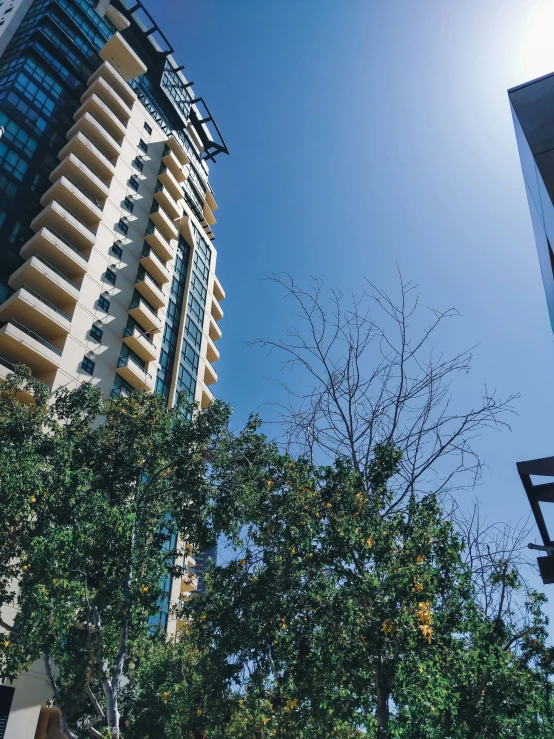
<point>131,330</point>
<point>148,251</point>
<point>46,302</point>
<point>66,242</point>
<point>33,335</point>
<point>71,213</point>
<point>150,230</point>
<point>124,361</point>
<point>57,271</point>
<point>193,202</point>
<point>89,197</point>
<point>137,301</point>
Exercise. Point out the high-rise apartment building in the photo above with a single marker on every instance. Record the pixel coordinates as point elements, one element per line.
<point>107,260</point>
<point>533,113</point>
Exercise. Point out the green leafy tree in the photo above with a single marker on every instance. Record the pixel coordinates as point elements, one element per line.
<point>101,515</point>
<point>342,614</point>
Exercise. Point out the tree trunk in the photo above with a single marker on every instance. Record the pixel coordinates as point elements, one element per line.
<point>382,712</point>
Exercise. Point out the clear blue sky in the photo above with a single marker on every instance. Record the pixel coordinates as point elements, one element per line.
<point>369,132</point>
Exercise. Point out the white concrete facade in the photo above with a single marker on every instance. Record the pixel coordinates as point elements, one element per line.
<point>70,265</point>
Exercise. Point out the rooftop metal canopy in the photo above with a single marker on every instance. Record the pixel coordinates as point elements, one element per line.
<point>173,82</point>
<point>537,494</point>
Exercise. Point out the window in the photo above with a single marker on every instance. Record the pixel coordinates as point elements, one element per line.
<point>128,204</point>
<point>96,333</point>
<point>15,231</point>
<point>110,276</point>
<point>87,365</point>
<point>117,251</point>
<point>134,183</point>
<point>103,304</point>
<point>143,146</point>
<point>147,128</point>
<point>122,226</point>
<point>138,163</point>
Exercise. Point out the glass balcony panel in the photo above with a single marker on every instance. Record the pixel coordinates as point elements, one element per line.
<point>50,282</point>
<point>62,221</point>
<point>79,203</point>
<point>219,292</point>
<point>163,222</point>
<point>109,97</point>
<point>159,243</point>
<point>39,314</point>
<point>166,200</point>
<point>214,330</point>
<point>83,175</point>
<point>210,375</point>
<point>141,344</point>
<point>173,164</point>
<point>58,251</point>
<point>110,74</point>
<point>20,345</point>
<point>153,264</point>
<point>217,313</point>
<point>168,180</point>
<point>152,292</point>
<point>100,111</point>
<point>143,314</point>
<point>134,374</point>
<point>96,134</point>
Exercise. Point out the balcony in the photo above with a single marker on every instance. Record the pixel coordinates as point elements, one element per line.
<point>109,97</point>
<point>166,200</point>
<point>214,331</point>
<point>58,251</point>
<point>153,264</point>
<point>177,150</point>
<point>151,291</point>
<point>208,215</point>
<point>145,315</point>
<point>207,398</point>
<point>212,205</point>
<point>110,74</point>
<point>217,313</point>
<point>6,368</point>
<point>189,581</point>
<point>210,375</point>
<point>118,52</point>
<point>134,374</point>
<point>62,221</point>
<point>83,175</point>
<point>157,241</point>
<point>47,280</point>
<point>76,200</point>
<point>140,343</point>
<point>173,164</point>
<point>23,346</point>
<point>31,309</point>
<point>96,134</point>
<point>163,222</point>
<point>100,111</point>
<point>218,291</point>
<point>212,352</point>
<point>167,179</point>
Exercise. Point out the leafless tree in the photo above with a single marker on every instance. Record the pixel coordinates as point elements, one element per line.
<point>364,376</point>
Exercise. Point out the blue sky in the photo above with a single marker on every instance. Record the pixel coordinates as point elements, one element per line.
<point>366,133</point>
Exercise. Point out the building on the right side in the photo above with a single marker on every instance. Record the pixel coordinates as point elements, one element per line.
<point>532,107</point>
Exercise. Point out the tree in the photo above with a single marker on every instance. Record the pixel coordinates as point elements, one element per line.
<point>22,473</point>
<point>101,506</point>
<point>342,614</point>
<point>364,377</point>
